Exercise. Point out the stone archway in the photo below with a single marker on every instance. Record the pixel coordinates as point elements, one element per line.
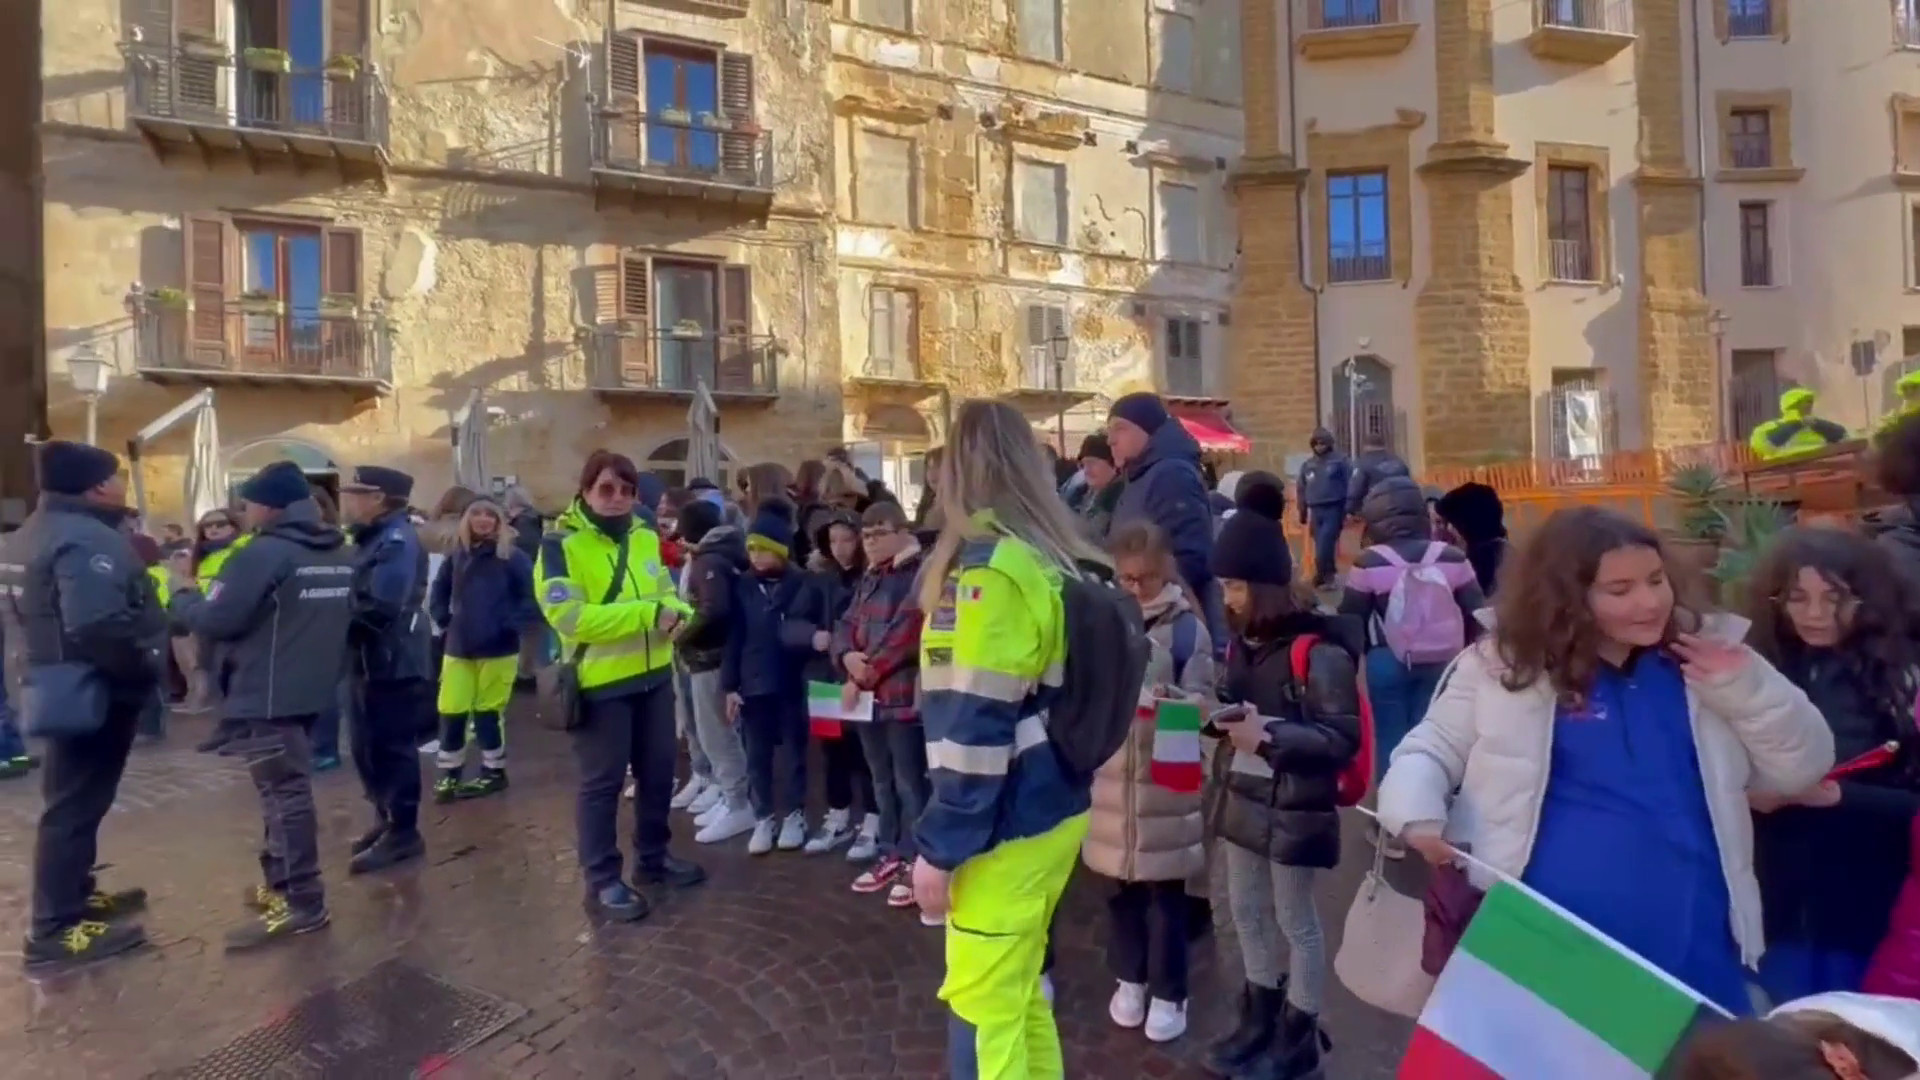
<point>252,457</point>
<point>1363,403</point>
<point>668,461</point>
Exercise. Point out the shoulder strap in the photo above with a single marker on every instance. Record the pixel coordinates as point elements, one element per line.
<point>1393,558</point>
<point>551,546</point>
<point>1300,655</point>
<point>1186,637</point>
<point>1433,552</point>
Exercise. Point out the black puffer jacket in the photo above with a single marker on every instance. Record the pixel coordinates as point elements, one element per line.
<point>709,583</point>
<point>1898,531</point>
<point>826,596</point>
<point>1284,803</point>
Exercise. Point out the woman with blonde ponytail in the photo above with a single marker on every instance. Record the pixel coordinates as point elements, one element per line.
<point>1006,819</point>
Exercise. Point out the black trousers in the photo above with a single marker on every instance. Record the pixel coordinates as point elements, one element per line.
<point>633,731</point>
<point>79,778</point>
<point>386,753</point>
<point>1147,940</point>
<point>847,774</point>
<point>279,757</point>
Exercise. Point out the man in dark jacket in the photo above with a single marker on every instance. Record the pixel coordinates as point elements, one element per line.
<point>1160,463</point>
<point>1897,468</point>
<point>719,557</point>
<point>84,615</point>
<point>277,621</point>
<point>391,661</point>
<point>1375,463</point>
<point>1324,479</point>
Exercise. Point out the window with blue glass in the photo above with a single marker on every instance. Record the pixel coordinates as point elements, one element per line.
<point>1749,18</point>
<point>1338,13</point>
<point>683,106</point>
<point>296,96</point>
<point>1358,245</point>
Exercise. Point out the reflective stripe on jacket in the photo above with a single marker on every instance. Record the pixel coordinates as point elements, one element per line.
<point>992,654</point>
<point>209,568</point>
<point>575,573</point>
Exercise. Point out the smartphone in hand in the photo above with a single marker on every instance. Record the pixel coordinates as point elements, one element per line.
<point>1226,714</point>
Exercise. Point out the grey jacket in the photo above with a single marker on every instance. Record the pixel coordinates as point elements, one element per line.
<point>76,592</point>
<point>277,618</point>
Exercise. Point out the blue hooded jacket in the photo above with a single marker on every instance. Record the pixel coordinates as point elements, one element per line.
<point>1165,486</point>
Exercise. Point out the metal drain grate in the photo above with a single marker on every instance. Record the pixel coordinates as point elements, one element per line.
<point>393,1023</point>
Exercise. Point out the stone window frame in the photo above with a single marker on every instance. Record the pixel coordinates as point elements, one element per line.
<point>1157,17</point>
<point>1384,147</point>
<point>916,172</point>
<point>1906,158</point>
<point>1040,156</point>
<point>1598,163</point>
<point>1060,23</point>
<point>1177,176</point>
<point>1778,271</point>
<point>851,13</point>
<point>1779,107</point>
<point>1779,28</point>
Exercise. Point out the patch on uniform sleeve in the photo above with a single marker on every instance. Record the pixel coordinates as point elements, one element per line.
<point>101,564</point>
<point>214,593</point>
<point>939,657</point>
<point>557,592</point>
<point>652,567</point>
<point>945,615</point>
<point>970,593</point>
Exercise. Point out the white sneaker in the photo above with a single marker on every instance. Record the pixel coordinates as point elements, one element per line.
<point>793,832</point>
<point>728,823</point>
<point>762,841</point>
<point>632,786</point>
<point>1046,988</point>
<point>706,816</point>
<point>1129,1005</point>
<point>688,792</point>
<point>866,845</point>
<point>704,802</point>
<point>431,746</point>
<point>1166,1020</point>
<point>928,918</point>
<point>835,829</point>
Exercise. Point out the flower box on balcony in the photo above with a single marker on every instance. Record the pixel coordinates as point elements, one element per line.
<point>712,121</point>
<point>673,116</point>
<point>343,68</point>
<point>169,299</point>
<point>270,60</point>
<point>198,47</point>
<point>339,304</point>
<point>262,304</point>
<point>687,330</point>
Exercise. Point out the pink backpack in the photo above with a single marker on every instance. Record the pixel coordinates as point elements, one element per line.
<point>1423,624</point>
<point>1895,969</point>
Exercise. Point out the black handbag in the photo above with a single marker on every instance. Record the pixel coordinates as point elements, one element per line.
<point>557,686</point>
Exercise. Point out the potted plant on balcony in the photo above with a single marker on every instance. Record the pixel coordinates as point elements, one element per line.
<point>671,115</point>
<point>261,302</point>
<point>687,330</point>
<point>345,304</point>
<point>710,120</point>
<point>167,299</point>
<point>342,67</point>
<point>271,60</point>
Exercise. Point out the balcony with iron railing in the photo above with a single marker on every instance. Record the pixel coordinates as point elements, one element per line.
<point>204,96</point>
<point>630,358</point>
<point>1581,31</point>
<point>1755,22</point>
<point>706,157</point>
<point>1351,268</point>
<point>1046,384</point>
<point>1570,260</point>
<point>259,341</point>
<point>1750,150</point>
<point>1906,26</point>
<point>1340,29</point>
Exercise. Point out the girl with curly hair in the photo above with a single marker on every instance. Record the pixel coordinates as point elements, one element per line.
<point>1830,611</point>
<point>1599,745</point>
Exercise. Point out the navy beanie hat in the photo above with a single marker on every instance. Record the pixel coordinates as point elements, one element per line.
<point>1142,409</point>
<point>772,529</point>
<point>277,486</point>
<point>696,520</point>
<point>1251,546</point>
<point>70,468</point>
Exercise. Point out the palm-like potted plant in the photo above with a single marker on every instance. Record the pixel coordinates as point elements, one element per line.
<point>1699,493</point>
<point>1750,528</point>
<point>272,60</point>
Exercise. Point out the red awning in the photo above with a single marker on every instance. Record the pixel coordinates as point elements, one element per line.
<point>1212,431</point>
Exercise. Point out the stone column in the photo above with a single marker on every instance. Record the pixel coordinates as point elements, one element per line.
<point>1678,376</point>
<point>1472,326</point>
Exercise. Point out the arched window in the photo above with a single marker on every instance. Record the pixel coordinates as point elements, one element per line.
<point>1363,402</point>
<point>668,461</point>
<point>254,456</point>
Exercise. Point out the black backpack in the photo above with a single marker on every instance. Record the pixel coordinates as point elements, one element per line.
<point>1107,654</point>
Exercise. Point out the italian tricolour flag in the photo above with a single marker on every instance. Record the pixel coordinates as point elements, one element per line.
<point>1176,746</point>
<point>824,710</point>
<point>1532,992</point>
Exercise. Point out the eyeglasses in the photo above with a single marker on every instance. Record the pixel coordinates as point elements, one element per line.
<point>1140,581</point>
<point>610,489</point>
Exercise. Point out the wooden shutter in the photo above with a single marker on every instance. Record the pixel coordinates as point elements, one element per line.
<point>343,338</point>
<point>906,332</point>
<point>880,331</point>
<point>740,147</point>
<point>346,28</point>
<point>737,347</point>
<point>198,18</point>
<point>626,125</point>
<point>210,274</point>
<point>152,22</point>
<point>636,328</point>
<point>197,81</point>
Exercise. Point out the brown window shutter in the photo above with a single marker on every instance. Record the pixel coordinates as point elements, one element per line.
<point>739,148</point>
<point>340,276</point>
<point>197,18</point>
<point>636,340</point>
<point>347,27</point>
<point>210,246</point>
<point>737,346</point>
<point>342,337</point>
<point>626,128</point>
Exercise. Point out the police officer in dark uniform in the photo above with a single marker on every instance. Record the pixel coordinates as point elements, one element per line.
<point>391,662</point>
<point>277,620</point>
<point>87,616</point>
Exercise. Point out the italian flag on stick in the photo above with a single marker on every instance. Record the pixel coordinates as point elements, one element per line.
<point>1176,746</point>
<point>823,710</point>
<point>1534,992</point>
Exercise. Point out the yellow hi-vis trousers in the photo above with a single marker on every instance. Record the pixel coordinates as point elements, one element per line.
<point>1000,906</point>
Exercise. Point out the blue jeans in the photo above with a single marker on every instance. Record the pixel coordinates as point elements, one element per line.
<point>1400,694</point>
<point>1213,605</point>
<point>1326,523</point>
<point>326,728</point>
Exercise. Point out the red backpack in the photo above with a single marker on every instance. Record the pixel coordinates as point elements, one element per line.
<point>1356,776</point>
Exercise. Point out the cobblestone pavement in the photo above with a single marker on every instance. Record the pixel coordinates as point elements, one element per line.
<point>773,969</point>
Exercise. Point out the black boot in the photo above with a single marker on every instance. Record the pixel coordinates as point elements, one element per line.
<point>1259,1019</point>
<point>392,849</point>
<point>369,838</point>
<point>1295,1052</point>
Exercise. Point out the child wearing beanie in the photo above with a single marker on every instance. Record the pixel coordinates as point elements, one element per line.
<point>1293,727</point>
<point>762,677</point>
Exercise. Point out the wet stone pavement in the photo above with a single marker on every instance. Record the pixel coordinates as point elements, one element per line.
<point>773,969</point>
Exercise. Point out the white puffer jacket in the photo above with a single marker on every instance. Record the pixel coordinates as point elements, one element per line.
<point>1752,729</point>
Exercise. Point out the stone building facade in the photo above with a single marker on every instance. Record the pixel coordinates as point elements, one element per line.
<point>1559,228</point>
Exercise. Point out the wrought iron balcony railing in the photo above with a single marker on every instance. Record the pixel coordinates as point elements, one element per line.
<point>1602,16</point>
<point>1347,268</point>
<point>260,340</point>
<point>706,148</point>
<point>1750,151</point>
<point>1570,260</point>
<point>210,86</point>
<point>627,356</point>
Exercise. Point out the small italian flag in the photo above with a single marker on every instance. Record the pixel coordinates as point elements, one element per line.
<point>823,709</point>
<point>1534,992</point>
<point>1176,746</point>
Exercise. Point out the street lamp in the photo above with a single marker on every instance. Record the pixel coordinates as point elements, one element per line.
<point>88,374</point>
<point>1058,346</point>
<point>1717,322</point>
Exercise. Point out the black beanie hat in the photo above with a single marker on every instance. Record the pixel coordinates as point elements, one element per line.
<point>1095,446</point>
<point>1143,409</point>
<point>1251,546</point>
<point>697,518</point>
<point>70,468</point>
<point>277,486</point>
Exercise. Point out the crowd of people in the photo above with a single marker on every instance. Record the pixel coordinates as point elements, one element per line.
<point>1109,661</point>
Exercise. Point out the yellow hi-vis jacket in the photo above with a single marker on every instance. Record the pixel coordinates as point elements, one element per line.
<point>574,577</point>
<point>1909,404</point>
<point>209,567</point>
<point>1795,431</point>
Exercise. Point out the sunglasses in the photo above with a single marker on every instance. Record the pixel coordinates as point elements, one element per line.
<point>608,489</point>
